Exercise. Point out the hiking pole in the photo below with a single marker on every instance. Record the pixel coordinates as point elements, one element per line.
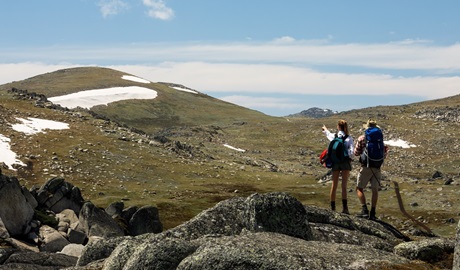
<point>401,207</point>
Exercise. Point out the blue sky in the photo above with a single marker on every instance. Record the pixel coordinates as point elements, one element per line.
<point>277,57</point>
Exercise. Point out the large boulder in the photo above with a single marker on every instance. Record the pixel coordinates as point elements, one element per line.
<point>430,250</point>
<point>57,195</point>
<point>276,212</point>
<point>52,240</point>
<point>96,222</point>
<point>3,231</point>
<point>15,211</point>
<point>145,220</point>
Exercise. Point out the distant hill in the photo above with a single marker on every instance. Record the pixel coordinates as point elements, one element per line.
<point>170,108</point>
<point>314,112</point>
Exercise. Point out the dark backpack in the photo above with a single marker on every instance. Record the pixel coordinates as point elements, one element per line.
<point>337,151</point>
<point>374,152</point>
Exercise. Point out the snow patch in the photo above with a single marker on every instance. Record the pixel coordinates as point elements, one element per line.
<point>6,155</point>
<point>400,143</point>
<point>134,79</point>
<point>185,90</point>
<point>234,148</point>
<point>32,125</point>
<point>91,98</point>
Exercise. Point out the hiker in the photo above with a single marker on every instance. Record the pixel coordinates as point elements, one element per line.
<point>342,166</point>
<point>371,151</point>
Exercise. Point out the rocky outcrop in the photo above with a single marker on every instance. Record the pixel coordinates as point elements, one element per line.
<point>15,211</point>
<point>57,195</point>
<point>238,231</point>
<point>278,212</point>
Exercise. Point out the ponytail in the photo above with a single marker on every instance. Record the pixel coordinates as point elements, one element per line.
<point>343,126</point>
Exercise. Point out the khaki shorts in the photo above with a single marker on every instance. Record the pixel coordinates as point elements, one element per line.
<point>369,174</point>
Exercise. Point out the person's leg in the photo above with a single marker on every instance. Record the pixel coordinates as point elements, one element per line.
<point>363,179</point>
<point>375,184</point>
<point>335,181</point>
<point>375,197</point>
<point>345,176</point>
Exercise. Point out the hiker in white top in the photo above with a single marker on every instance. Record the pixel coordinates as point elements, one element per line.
<point>342,168</point>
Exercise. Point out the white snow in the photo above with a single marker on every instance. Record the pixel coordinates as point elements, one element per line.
<point>234,148</point>
<point>6,155</point>
<point>185,90</point>
<point>134,79</point>
<point>90,98</point>
<point>400,143</point>
<point>32,125</point>
<point>28,126</point>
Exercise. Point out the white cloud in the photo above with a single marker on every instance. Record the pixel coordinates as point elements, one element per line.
<point>158,10</point>
<point>264,78</point>
<point>284,40</point>
<point>392,56</point>
<point>111,7</point>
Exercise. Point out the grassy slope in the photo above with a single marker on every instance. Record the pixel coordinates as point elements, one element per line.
<point>182,182</point>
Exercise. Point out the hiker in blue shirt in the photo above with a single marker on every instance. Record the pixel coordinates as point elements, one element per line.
<point>372,151</point>
<point>343,167</point>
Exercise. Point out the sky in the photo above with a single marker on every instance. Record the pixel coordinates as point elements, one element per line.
<point>277,57</point>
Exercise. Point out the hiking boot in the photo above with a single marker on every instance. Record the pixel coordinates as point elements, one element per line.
<point>345,207</point>
<point>372,215</point>
<point>333,206</point>
<point>364,213</point>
